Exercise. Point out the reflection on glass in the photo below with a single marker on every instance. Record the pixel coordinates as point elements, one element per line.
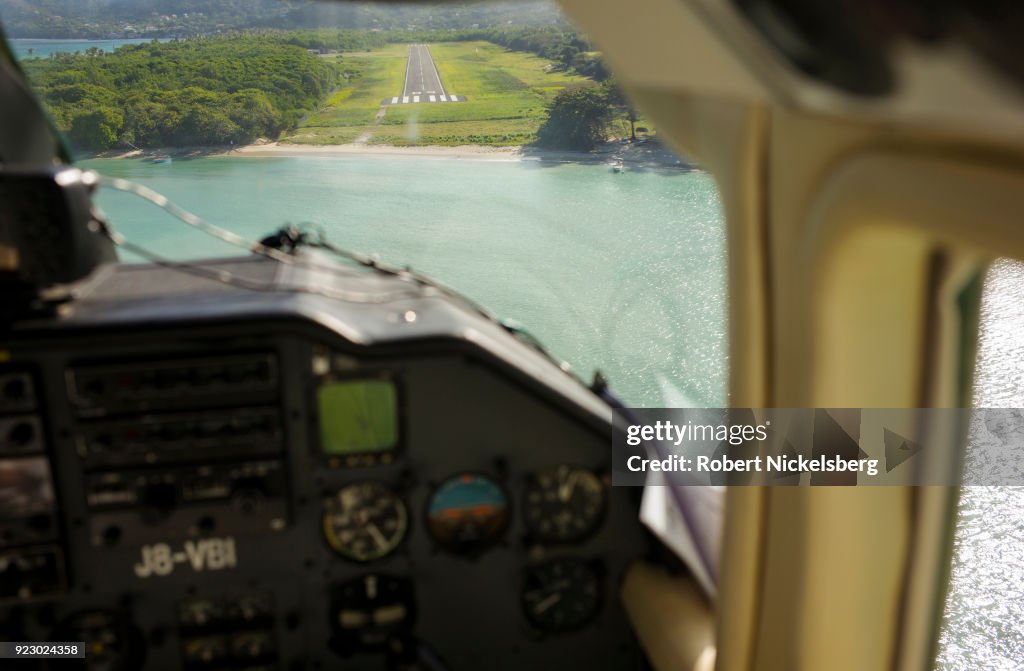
<point>585,228</point>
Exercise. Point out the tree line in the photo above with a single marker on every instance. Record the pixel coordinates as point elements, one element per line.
<point>108,19</point>
<point>582,118</point>
<point>205,91</point>
<point>568,48</point>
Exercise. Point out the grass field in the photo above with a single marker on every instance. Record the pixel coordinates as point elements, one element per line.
<point>371,77</point>
<point>506,93</point>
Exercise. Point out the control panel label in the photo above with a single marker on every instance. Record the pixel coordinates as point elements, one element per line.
<point>208,554</point>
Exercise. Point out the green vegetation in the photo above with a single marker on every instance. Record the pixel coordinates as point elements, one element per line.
<point>511,132</point>
<point>565,47</point>
<point>333,40</point>
<point>507,96</point>
<point>580,119</point>
<point>577,120</point>
<point>91,19</point>
<point>179,18</point>
<point>234,89</point>
<point>189,92</point>
<point>367,79</point>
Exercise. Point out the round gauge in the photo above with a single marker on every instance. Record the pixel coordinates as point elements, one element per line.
<point>467,513</point>
<point>562,594</point>
<point>365,521</point>
<point>563,504</point>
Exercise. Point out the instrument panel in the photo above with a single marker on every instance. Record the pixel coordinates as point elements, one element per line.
<point>225,497</point>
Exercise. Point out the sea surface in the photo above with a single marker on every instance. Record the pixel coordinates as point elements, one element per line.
<point>984,625</point>
<point>33,48</point>
<point>621,272</point>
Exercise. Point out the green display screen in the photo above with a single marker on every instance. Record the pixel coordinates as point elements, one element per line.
<point>358,416</point>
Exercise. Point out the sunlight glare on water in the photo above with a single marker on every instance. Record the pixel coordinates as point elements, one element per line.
<point>984,623</point>
<point>624,272</point>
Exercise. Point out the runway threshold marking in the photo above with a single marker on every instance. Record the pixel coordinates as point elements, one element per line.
<point>424,96</point>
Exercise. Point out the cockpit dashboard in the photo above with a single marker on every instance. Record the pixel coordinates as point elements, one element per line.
<point>342,470</point>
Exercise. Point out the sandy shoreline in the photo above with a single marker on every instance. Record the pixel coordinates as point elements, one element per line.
<point>650,155</point>
<point>285,149</point>
<point>297,150</point>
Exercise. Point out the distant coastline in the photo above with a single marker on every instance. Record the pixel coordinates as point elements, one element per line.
<point>43,47</point>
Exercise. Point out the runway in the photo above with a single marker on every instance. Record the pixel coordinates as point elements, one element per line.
<point>422,81</point>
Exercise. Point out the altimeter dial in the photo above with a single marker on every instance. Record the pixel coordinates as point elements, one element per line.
<point>365,521</point>
<point>563,504</point>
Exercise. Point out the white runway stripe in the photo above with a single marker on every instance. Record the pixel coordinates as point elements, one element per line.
<point>394,101</point>
<point>444,99</point>
<point>433,99</point>
<point>405,99</point>
<point>415,99</point>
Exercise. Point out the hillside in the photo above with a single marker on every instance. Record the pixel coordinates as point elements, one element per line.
<point>176,18</point>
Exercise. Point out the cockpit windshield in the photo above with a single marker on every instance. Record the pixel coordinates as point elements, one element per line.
<point>486,145</point>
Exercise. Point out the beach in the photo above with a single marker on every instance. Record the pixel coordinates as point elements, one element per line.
<point>649,154</point>
<point>295,150</point>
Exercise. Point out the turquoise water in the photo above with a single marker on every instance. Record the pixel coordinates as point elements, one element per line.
<point>31,48</point>
<point>621,272</point>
